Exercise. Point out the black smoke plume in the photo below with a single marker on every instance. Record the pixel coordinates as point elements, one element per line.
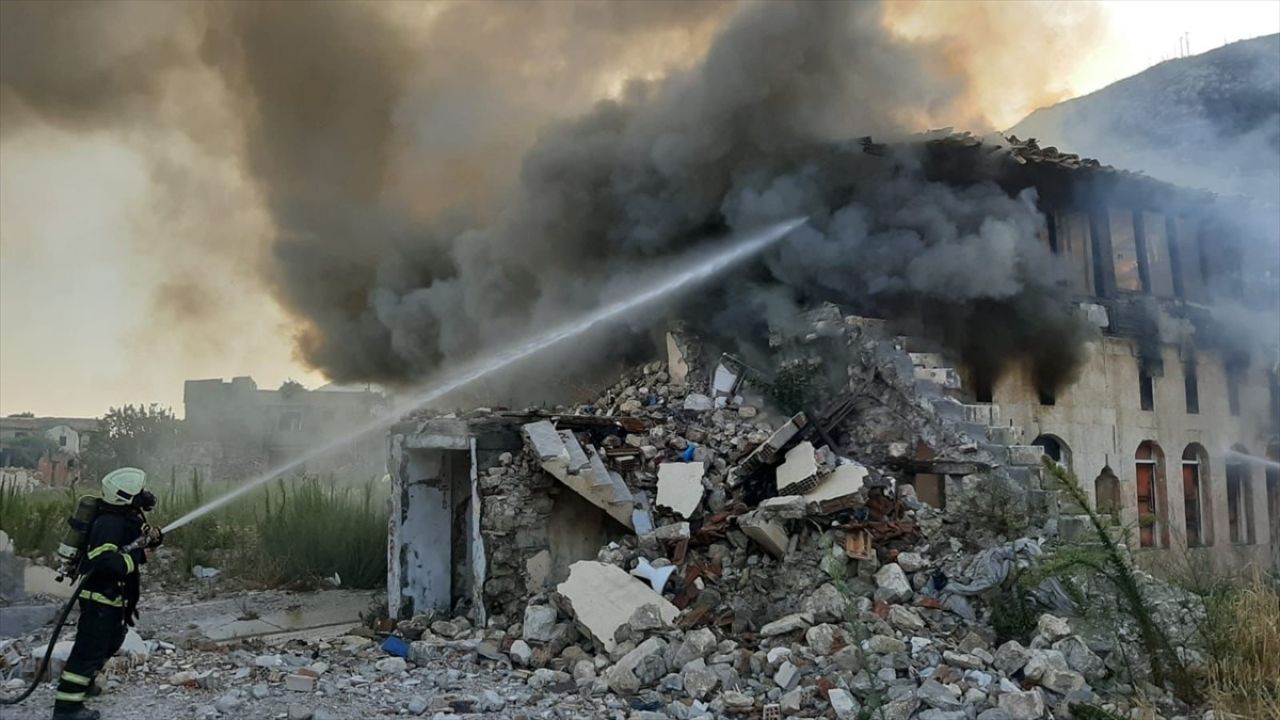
<point>390,280</point>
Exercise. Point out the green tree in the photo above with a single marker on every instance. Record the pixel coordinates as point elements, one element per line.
<point>130,436</point>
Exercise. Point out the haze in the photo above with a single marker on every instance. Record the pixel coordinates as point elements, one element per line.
<point>123,273</point>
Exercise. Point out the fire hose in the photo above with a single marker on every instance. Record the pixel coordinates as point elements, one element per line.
<point>57,629</point>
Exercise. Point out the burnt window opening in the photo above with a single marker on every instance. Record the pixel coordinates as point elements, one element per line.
<point>1233,390</point>
<point>1055,449</point>
<point>1158,251</point>
<point>1272,475</point>
<point>1048,396</point>
<point>1195,501</point>
<point>1146,389</point>
<point>1239,499</point>
<point>983,388</point>
<point>1071,235</point>
<point>1191,387</point>
<point>1052,229</point>
<point>1177,263</point>
<point>1126,261</point>
<point>1149,472</point>
<point>1275,406</point>
<point>1103,284</point>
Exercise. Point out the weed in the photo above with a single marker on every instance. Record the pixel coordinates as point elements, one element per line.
<point>1243,637</point>
<point>292,534</point>
<point>1108,562</point>
<point>34,521</point>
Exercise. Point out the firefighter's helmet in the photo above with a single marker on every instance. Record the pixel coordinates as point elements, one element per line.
<point>121,485</point>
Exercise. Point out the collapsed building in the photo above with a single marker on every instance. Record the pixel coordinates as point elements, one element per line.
<point>871,459</point>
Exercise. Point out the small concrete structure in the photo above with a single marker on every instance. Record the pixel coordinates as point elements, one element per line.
<point>489,510</point>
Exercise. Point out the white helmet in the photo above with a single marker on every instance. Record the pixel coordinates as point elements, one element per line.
<point>120,485</point>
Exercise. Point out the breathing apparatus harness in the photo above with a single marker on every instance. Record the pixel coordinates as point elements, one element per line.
<point>70,553</point>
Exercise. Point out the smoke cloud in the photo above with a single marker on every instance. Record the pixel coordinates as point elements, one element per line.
<point>436,178</point>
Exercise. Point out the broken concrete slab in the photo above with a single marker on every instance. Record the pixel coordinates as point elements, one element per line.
<point>549,447</point>
<point>677,366</point>
<point>680,487</point>
<point>767,452</point>
<point>845,480</point>
<point>768,532</point>
<point>603,597</point>
<point>799,472</point>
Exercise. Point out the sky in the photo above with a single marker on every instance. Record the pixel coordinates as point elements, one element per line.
<point>92,296</point>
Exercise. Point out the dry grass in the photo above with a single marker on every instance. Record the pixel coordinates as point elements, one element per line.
<point>1244,674</point>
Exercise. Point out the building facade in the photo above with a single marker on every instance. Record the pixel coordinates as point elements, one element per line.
<point>1172,423</point>
<point>234,429</point>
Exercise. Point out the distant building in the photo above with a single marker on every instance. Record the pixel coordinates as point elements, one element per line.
<point>57,462</point>
<point>234,429</point>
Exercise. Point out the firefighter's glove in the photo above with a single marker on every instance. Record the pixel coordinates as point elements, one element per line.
<point>152,537</point>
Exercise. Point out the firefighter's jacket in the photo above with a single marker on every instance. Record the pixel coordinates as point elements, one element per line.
<point>115,574</point>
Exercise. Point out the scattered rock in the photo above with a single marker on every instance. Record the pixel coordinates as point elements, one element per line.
<point>892,584</point>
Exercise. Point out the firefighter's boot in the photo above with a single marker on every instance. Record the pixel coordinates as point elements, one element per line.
<point>78,712</point>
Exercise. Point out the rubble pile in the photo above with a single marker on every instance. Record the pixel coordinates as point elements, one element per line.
<point>757,563</point>
<point>784,563</point>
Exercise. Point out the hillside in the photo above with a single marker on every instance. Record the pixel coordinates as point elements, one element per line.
<point>1210,121</point>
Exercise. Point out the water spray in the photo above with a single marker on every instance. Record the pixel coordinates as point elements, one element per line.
<point>504,358</point>
<point>1254,459</point>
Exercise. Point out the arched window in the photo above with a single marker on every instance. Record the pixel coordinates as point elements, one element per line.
<point>1152,502</point>
<point>1239,497</point>
<point>1197,501</point>
<point>1055,448</point>
<point>1106,493</point>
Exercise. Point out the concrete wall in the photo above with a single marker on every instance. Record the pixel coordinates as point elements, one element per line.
<point>476,524</point>
<point>428,473</point>
<point>1100,420</point>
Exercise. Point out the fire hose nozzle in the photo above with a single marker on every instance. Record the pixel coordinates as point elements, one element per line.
<point>151,537</point>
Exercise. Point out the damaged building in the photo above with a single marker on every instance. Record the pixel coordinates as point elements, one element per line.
<point>690,458</point>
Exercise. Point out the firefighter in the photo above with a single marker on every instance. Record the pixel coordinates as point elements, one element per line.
<point>109,596</point>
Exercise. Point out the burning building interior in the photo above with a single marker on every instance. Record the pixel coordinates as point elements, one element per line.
<point>860,432</point>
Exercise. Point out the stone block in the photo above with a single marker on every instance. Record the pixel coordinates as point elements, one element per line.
<point>768,533</point>
<point>299,683</point>
<point>603,598</point>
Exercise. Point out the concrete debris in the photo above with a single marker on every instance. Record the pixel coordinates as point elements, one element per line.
<point>680,487</point>
<point>791,566</point>
<point>799,473</point>
<point>769,533</point>
<point>603,597</point>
